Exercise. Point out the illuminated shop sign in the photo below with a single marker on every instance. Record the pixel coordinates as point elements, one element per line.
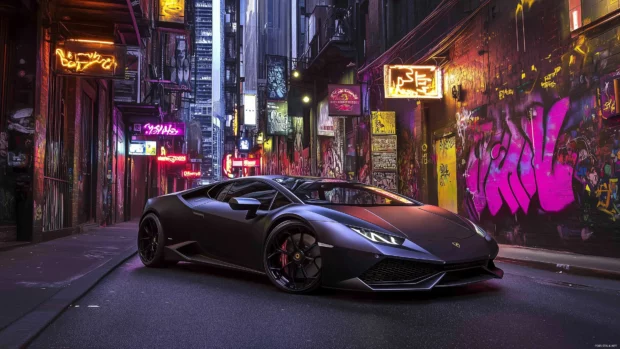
<point>191,174</point>
<point>245,144</point>
<point>147,148</point>
<point>240,162</point>
<point>172,11</point>
<point>249,110</point>
<point>345,100</point>
<point>412,81</point>
<point>227,166</point>
<point>91,58</point>
<point>173,159</point>
<point>165,129</point>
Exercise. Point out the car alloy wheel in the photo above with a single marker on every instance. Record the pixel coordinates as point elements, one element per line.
<point>150,241</point>
<point>293,258</point>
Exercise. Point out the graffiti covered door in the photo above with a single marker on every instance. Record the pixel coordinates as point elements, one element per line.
<point>446,173</point>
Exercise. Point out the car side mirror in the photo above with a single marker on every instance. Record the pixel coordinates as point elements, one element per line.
<point>245,204</point>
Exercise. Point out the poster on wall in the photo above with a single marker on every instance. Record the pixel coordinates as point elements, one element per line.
<point>385,180</point>
<point>383,122</point>
<point>146,148</point>
<point>325,123</point>
<point>608,95</point>
<point>446,173</point>
<point>277,119</point>
<point>344,100</point>
<point>384,161</point>
<point>297,133</point>
<point>384,143</point>
<point>178,63</point>
<point>277,78</point>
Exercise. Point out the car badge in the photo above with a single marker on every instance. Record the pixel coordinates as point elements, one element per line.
<point>456,244</point>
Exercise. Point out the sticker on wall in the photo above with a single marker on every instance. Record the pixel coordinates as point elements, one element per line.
<point>384,143</point>
<point>384,161</point>
<point>384,180</point>
<point>383,122</point>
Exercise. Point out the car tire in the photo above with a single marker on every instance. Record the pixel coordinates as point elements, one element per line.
<point>273,241</point>
<point>151,256</point>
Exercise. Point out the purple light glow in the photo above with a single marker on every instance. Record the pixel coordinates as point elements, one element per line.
<point>166,129</point>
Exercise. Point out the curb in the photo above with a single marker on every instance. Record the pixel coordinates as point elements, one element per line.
<point>565,268</point>
<point>20,333</point>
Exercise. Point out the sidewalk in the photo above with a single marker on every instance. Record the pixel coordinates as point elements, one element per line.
<point>39,281</point>
<point>566,262</point>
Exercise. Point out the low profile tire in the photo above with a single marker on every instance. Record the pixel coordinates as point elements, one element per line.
<point>151,241</point>
<point>292,258</point>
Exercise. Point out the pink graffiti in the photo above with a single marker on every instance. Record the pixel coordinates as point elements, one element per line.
<point>515,164</point>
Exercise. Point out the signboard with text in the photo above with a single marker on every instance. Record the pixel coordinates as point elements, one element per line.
<point>91,58</point>
<point>412,81</point>
<point>277,119</point>
<point>345,100</point>
<point>163,129</point>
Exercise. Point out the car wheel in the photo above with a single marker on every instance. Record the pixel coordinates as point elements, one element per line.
<point>151,242</point>
<point>292,258</point>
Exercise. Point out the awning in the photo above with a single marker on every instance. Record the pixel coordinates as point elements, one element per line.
<point>140,112</point>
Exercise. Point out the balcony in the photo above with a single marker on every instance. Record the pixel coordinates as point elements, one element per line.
<point>331,38</point>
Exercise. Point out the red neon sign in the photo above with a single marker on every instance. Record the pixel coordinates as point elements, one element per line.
<point>191,174</point>
<point>227,166</point>
<point>172,158</point>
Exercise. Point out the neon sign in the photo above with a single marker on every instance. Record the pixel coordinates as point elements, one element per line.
<point>167,129</point>
<point>227,166</point>
<point>172,158</point>
<point>240,162</point>
<point>191,174</point>
<point>172,11</point>
<point>344,100</point>
<point>412,81</point>
<point>82,61</point>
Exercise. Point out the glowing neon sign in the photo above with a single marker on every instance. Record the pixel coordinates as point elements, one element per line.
<point>166,129</point>
<point>191,174</point>
<point>80,62</point>
<point>240,162</point>
<point>172,11</point>
<point>227,166</point>
<point>412,81</point>
<point>172,158</point>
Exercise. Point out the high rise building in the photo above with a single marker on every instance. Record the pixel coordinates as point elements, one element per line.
<point>202,109</point>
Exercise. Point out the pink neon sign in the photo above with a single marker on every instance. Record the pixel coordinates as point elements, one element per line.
<point>165,129</point>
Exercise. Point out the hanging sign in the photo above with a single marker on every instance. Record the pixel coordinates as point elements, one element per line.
<point>344,100</point>
<point>241,162</point>
<point>91,58</point>
<point>165,129</point>
<point>173,159</point>
<point>172,11</point>
<point>148,148</point>
<point>191,174</point>
<point>412,81</point>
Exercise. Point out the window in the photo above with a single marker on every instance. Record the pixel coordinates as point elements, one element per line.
<point>219,191</point>
<point>252,189</point>
<point>344,193</point>
<point>585,12</point>
<point>280,201</point>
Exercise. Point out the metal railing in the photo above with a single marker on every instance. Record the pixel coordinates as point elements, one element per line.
<point>334,25</point>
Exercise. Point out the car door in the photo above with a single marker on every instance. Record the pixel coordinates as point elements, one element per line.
<point>238,238</point>
<point>205,220</point>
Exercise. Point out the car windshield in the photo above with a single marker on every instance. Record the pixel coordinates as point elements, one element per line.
<point>345,193</point>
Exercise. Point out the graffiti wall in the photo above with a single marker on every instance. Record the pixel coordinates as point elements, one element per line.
<point>537,146</point>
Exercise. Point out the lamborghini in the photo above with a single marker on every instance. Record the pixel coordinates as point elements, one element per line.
<point>304,233</point>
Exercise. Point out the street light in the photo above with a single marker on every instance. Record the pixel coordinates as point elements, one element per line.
<point>296,74</point>
<point>306,99</point>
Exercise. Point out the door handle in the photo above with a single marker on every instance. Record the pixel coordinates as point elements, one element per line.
<point>198,214</point>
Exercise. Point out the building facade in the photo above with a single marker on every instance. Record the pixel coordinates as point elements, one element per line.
<point>510,121</point>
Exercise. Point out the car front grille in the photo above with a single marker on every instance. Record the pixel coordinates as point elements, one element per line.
<point>391,270</point>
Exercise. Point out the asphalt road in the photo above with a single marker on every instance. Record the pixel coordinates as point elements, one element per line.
<point>190,306</point>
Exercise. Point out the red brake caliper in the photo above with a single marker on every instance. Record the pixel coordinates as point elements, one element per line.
<point>283,257</point>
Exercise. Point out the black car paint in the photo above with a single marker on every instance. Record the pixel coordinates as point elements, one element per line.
<point>228,235</point>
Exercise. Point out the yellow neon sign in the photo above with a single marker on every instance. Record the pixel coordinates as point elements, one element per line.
<point>80,62</point>
<point>172,10</point>
<point>412,81</point>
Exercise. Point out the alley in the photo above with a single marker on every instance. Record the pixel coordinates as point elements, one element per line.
<point>189,306</point>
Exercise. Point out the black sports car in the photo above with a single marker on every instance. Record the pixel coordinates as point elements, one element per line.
<point>306,232</point>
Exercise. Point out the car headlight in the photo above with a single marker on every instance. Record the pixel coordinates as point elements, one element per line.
<point>377,237</point>
<point>481,231</point>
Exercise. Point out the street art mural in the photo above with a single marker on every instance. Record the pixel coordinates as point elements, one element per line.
<point>538,159</point>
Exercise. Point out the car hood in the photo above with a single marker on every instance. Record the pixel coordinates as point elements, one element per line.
<point>417,223</point>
